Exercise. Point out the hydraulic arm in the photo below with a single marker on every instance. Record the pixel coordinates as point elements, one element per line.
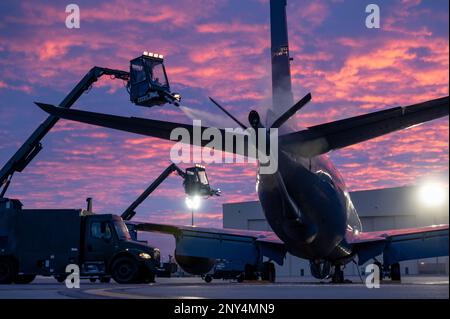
<point>32,145</point>
<point>195,183</point>
<point>129,213</point>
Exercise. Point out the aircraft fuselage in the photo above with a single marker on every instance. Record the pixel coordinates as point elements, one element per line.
<point>308,206</point>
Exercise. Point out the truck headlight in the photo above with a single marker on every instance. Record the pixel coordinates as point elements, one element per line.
<point>145,256</point>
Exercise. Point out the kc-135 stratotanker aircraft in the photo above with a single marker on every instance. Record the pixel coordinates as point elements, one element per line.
<point>305,201</point>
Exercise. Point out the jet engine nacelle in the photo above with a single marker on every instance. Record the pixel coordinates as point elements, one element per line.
<point>194,265</point>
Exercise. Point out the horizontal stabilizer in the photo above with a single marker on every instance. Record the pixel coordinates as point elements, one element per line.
<point>289,113</point>
<point>323,138</point>
<point>154,128</point>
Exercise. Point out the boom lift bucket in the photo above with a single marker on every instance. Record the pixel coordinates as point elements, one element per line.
<point>149,85</point>
<point>196,182</point>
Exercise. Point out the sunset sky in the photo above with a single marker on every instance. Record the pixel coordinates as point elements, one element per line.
<point>217,48</point>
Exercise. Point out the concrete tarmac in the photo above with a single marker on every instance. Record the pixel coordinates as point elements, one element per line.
<point>412,287</point>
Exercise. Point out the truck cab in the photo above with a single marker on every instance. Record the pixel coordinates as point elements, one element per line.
<point>109,249</point>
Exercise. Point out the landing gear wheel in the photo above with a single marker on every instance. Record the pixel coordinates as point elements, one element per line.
<point>60,278</point>
<point>105,280</point>
<point>380,267</point>
<point>320,269</point>
<point>338,275</point>
<point>268,272</point>
<point>250,273</point>
<point>125,270</point>
<point>208,278</point>
<point>24,279</point>
<point>8,271</point>
<point>395,272</point>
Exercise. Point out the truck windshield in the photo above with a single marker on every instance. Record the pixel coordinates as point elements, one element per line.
<point>122,231</point>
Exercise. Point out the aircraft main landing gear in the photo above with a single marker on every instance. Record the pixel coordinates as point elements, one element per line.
<point>268,273</point>
<point>395,272</point>
<point>380,269</point>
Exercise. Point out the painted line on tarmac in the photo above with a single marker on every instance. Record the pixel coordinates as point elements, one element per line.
<point>108,293</point>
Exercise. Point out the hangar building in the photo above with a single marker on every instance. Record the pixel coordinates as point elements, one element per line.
<point>379,209</point>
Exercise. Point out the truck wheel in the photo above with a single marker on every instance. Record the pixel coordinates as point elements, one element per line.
<point>93,280</point>
<point>105,280</point>
<point>125,270</point>
<point>208,278</point>
<point>8,271</point>
<point>240,278</point>
<point>24,279</point>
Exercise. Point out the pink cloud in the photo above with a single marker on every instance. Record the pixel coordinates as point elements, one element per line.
<point>24,88</point>
<point>309,15</point>
<point>225,57</point>
<point>234,27</point>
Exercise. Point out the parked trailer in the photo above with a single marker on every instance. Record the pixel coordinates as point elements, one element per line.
<point>236,270</point>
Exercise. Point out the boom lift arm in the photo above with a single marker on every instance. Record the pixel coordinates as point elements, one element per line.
<point>147,85</point>
<point>129,213</point>
<point>195,183</point>
<point>32,146</point>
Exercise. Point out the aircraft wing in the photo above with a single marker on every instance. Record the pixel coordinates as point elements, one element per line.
<point>219,243</point>
<point>261,236</point>
<point>156,128</point>
<point>323,138</point>
<point>401,244</point>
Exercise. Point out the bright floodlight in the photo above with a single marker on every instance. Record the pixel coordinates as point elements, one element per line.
<point>193,202</point>
<point>432,194</point>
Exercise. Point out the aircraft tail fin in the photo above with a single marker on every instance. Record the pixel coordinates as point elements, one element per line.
<point>281,70</point>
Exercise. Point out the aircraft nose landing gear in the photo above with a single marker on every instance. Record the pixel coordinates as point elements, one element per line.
<point>338,275</point>
<point>320,269</point>
<point>325,270</point>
